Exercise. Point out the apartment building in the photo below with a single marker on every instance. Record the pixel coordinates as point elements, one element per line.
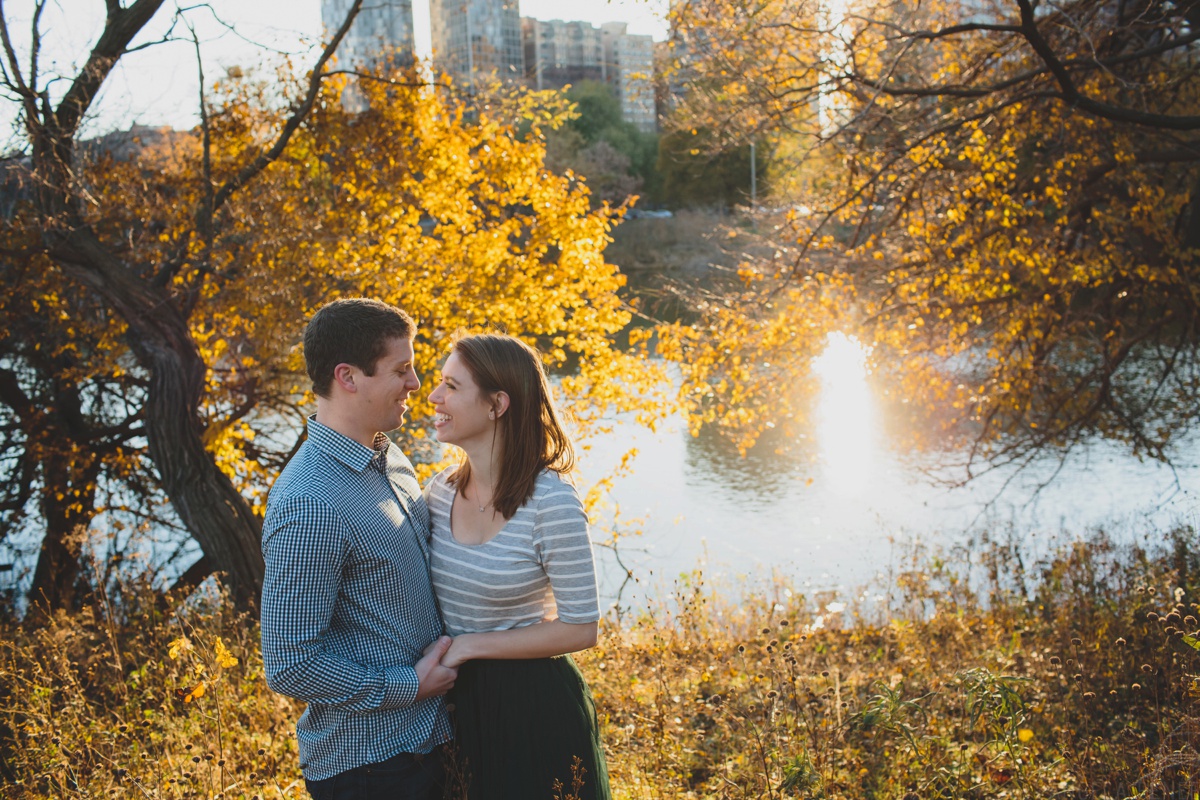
<point>382,29</point>
<point>476,40</point>
<point>558,53</point>
<point>629,69</point>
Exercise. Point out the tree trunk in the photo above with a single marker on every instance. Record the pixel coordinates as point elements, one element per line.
<point>68,506</point>
<point>206,500</point>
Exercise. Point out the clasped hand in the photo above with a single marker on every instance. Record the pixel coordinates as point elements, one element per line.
<point>434,676</point>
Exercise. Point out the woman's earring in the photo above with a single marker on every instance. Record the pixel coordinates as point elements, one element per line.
<point>491,415</point>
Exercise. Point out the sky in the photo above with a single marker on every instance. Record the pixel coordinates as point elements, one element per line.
<point>159,85</point>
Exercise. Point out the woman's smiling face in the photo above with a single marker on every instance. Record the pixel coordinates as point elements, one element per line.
<point>462,408</point>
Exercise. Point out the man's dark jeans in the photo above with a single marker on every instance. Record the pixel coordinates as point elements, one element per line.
<point>403,777</point>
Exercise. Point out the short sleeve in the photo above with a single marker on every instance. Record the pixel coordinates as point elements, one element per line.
<point>561,542</point>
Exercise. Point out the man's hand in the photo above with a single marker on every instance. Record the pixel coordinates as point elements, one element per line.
<point>434,679</point>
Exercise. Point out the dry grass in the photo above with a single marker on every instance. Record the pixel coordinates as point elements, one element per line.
<point>1084,685</point>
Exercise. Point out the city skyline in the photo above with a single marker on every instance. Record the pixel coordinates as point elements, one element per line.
<point>159,85</point>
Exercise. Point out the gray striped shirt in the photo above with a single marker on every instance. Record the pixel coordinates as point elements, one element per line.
<point>537,567</point>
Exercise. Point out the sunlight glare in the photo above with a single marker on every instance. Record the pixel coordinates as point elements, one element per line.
<point>846,421</point>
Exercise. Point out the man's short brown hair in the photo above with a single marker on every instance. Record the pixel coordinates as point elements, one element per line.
<point>353,330</point>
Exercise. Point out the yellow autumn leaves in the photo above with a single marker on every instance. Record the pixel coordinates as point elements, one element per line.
<point>1022,270</point>
<point>444,210</point>
<point>203,665</point>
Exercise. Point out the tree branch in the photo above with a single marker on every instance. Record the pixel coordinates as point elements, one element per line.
<point>120,27</point>
<point>27,93</point>
<point>293,123</point>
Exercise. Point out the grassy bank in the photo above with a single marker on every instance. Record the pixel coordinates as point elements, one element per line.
<point>1075,677</point>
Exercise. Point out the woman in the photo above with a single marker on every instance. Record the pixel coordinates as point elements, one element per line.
<point>512,569</point>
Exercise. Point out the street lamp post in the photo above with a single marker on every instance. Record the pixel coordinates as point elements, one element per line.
<point>753,178</point>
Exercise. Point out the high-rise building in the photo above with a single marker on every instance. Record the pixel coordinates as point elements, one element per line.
<point>629,69</point>
<point>382,29</point>
<point>476,40</point>
<point>558,53</point>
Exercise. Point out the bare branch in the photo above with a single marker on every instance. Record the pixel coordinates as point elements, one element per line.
<point>120,27</point>
<point>293,123</point>
<point>27,94</point>
<point>1070,94</point>
<point>36,45</point>
<point>367,76</point>
<point>206,139</point>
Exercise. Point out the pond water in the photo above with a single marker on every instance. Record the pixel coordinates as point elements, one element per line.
<point>843,511</point>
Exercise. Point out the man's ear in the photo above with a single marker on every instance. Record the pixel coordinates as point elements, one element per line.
<point>500,403</point>
<point>344,375</point>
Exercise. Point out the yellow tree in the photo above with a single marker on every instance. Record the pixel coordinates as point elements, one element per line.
<point>202,258</point>
<point>1008,192</point>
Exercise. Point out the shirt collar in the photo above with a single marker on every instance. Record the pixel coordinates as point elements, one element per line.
<point>345,449</point>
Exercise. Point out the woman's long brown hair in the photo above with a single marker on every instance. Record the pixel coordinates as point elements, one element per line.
<point>531,436</point>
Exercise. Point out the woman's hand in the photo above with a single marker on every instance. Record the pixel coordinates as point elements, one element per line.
<point>460,651</point>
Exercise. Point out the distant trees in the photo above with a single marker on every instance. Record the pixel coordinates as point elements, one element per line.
<point>153,305</point>
<point>697,171</point>
<point>617,157</point>
<point>1001,198</point>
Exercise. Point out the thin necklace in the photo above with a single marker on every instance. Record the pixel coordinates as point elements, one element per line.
<point>483,507</point>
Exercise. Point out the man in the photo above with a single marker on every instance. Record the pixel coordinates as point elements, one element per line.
<point>349,621</point>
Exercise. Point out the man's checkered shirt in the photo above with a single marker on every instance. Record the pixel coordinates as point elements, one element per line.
<point>347,604</point>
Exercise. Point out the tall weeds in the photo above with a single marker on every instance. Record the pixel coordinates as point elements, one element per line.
<point>1073,677</point>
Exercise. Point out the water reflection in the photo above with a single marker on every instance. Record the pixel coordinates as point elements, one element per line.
<point>839,503</point>
<point>765,473</point>
<point>846,422</point>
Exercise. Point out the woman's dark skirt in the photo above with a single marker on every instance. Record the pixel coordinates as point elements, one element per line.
<point>520,725</point>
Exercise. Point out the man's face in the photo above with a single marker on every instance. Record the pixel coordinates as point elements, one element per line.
<point>383,397</point>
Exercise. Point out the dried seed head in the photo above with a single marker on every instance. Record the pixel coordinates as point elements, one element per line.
<point>1120,641</point>
<point>1077,677</point>
<point>783,623</point>
<point>1146,668</point>
<point>1089,695</point>
<point>1055,660</point>
<point>1076,641</point>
